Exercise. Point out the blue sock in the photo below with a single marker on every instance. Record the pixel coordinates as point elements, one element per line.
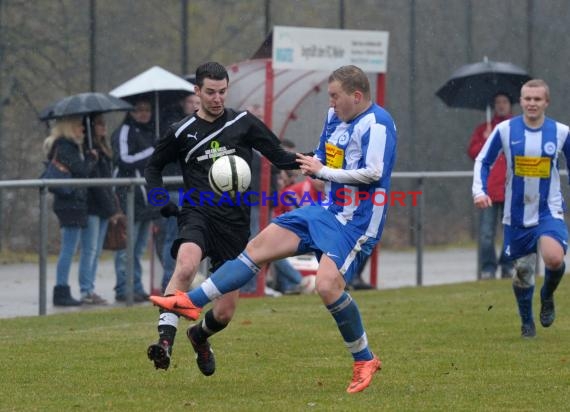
<point>524,302</point>
<point>230,276</point>
<point>551,280</point>
<point>347,316</point>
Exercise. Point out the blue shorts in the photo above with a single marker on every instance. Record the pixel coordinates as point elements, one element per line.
<point>522,241</point>
<point>321,232</point>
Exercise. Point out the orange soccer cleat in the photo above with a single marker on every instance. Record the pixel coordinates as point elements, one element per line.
<point>180,303</point>
<point>362,374</point>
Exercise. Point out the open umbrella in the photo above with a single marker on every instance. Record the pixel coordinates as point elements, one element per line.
<point>474,86</point>
<point>84,104</point>
<point>163,85</point>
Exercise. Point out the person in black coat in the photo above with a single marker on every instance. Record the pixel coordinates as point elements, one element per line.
<point>166,228</point>
<point>64,145</point>
<point>218,232</point>
<point>133,144</point>
<point>101,205</point>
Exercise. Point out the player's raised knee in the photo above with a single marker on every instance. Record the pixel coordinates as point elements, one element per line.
<point>525,270</point>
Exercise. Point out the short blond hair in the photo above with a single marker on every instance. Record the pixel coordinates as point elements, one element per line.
<point>538,83</point>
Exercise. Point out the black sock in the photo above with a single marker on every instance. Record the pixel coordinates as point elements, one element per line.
<point>206,328</point>
<point>551,280</point>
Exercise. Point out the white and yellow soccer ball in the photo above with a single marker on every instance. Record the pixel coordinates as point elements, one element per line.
<point>229,174</point>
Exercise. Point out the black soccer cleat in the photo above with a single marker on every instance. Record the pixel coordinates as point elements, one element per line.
<point>528,330</point>
<point>547,313</point>
<point>160,353</point>
<point>204,354</point>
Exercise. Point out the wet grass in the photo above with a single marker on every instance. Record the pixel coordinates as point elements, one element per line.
<point>454,347</point>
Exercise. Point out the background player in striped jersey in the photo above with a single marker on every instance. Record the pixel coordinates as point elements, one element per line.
<point>533,216</point>
<point>357,151</point>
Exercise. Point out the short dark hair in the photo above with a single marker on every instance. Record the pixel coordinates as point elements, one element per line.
<point>210,70</point>
<point>507,95</point>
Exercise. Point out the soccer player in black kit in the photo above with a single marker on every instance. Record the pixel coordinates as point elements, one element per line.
<point>218,231</point>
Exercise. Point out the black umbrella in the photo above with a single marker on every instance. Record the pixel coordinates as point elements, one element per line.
<point>84,104</point>
<point>474,86</point>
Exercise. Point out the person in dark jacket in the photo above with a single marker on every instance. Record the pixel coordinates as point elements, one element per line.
<point>166,228</point>
<point>101,205</point>
<point>64,144</point>
<point>214,231</point>
<point>133,143</point>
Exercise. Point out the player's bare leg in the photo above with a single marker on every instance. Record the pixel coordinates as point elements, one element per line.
<point>187,263</point>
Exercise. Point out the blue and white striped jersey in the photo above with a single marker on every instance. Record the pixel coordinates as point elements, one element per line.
<point>532,190</point>
<point>359,157</point>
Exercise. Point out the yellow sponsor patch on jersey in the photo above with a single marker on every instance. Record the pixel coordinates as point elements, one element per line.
<point>529,166</point>
<point>335,156</point>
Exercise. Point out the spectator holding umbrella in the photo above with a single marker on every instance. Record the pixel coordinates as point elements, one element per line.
<point>502,107</point>
<point>173,98</point>
<point>64,145</point>
<point>481,86</point>
<point>101,205</point>
<point>133,144</point>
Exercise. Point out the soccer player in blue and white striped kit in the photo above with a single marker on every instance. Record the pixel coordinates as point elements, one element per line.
<point>355,157</point>
<point>534,208</point>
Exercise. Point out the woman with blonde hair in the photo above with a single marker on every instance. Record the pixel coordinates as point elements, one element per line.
<point>64,144</point>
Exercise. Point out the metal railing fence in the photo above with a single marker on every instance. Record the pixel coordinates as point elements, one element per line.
<point>44,184</point>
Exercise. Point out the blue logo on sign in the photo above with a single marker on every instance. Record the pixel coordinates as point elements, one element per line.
<point>284,55</point>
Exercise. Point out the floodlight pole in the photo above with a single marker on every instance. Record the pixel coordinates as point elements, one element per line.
<point>92,44</point>
<point>184,37</point>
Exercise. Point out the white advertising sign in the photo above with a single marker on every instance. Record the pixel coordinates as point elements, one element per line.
<point>328,49</point>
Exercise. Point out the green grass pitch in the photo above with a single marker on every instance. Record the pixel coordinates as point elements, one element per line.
<point>454,347</point>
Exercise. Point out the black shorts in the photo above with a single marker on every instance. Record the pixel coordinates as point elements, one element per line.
<point>220,241</point>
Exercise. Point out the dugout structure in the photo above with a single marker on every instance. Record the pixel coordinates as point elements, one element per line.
<point>290,65</point>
